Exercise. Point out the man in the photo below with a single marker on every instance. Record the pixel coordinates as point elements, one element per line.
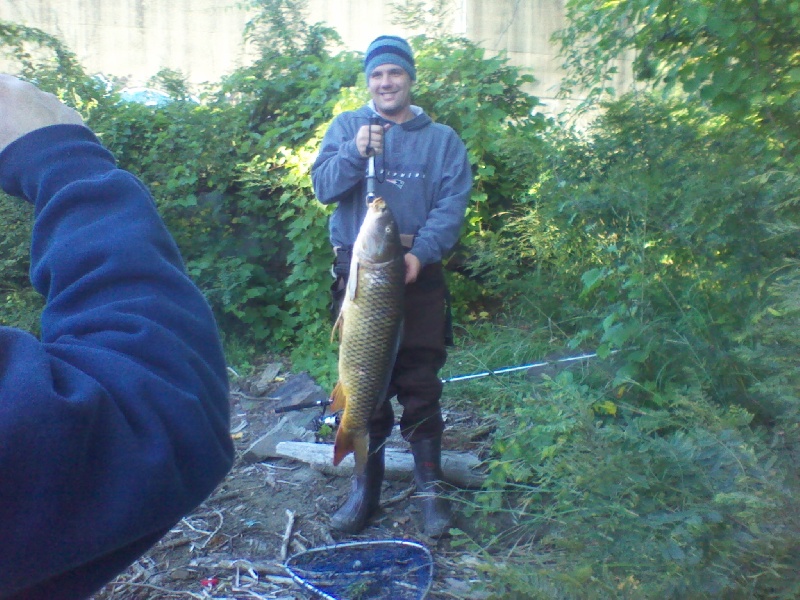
<point>116,423</point>
<point>424,175</point>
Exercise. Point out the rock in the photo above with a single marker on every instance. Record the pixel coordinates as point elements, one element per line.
<point>267,377</point>
<point>299,392</point>
<point>293,426</point>
<point>462,589</point>
<point>183,574</point>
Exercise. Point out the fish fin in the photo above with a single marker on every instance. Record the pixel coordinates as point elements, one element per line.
<point>401,329</point>
<point>338,398</point>
<point>352,281</point>
<point>343,445</point>
<point>337,327</point>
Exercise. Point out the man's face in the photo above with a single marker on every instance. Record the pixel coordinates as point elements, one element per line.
<point>390,88</point>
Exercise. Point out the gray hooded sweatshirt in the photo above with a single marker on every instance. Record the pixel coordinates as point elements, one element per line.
<point>423,175</point>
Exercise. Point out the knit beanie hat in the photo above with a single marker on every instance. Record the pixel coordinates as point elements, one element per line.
<point>390,49</point>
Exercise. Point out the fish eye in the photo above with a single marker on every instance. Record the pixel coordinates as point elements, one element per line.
<point>388,229</point>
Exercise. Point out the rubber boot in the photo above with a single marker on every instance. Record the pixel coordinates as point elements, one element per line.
<point>365,493</point>
<point>436,512</point>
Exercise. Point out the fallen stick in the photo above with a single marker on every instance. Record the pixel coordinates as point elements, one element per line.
<point>287,536</point>
<point>404,495</point>
<point>260,567</point>
<point>460,469</point>
<point>161,590</point>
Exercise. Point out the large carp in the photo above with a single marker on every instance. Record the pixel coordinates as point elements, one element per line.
<point>369,325</point>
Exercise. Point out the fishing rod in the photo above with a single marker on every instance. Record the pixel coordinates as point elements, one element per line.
<point>371,165</point>
<point>320,401</point>
<point>521,367</point>
<point>371,179</point>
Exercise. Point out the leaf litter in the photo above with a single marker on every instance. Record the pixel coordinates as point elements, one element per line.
<point>234,545</point>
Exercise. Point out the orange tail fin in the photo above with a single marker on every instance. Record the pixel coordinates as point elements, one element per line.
<point>347,442</point>
<point>343,445</point>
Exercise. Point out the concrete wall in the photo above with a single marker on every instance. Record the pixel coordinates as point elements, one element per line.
<point>523,30</point>
<point>133,39</point>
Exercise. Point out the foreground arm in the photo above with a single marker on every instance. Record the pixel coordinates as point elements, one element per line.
<point>115,424</point>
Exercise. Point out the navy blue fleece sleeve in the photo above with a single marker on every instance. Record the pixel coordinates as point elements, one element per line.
<point>116,423</point>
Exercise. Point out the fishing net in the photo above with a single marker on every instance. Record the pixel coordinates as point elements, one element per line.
<point>373,570</point>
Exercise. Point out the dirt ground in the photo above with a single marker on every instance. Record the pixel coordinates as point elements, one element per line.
<point>234,545</point>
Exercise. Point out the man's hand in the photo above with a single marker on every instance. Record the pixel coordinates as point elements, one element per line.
<point>369,139</point>
<point>413,267</point>
<point>25,108</point>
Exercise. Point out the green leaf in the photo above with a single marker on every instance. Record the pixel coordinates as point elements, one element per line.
<point>591,279</point>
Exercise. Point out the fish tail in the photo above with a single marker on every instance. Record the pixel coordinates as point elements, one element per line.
<point>343,445</point>
<point>347,442</point>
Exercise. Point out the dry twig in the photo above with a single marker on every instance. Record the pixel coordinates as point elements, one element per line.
<point>163,590</point>
<point>399,497</point>
<point>287,535</point>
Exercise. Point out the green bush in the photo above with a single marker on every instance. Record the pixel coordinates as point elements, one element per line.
<point>680,502</point>
<point>20,306</point>
<point>666,240</point>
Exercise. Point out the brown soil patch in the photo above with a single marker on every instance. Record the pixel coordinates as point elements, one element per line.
<point>234,544</point>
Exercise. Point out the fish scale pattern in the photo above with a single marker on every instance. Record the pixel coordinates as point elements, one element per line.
<point>370,332</point>
<point>370,326</point>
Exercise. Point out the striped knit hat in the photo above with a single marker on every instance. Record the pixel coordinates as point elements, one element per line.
<point>390,49</point>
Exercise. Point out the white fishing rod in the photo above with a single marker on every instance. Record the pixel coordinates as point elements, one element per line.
<point>371,178</point>
<point>521,367</point>
<point>371,164</point>
<point>320,400</point>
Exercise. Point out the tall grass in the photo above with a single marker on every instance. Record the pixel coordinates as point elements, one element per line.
<point>666,466</point>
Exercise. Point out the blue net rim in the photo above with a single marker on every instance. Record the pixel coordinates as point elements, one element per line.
<point>424,553</point>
